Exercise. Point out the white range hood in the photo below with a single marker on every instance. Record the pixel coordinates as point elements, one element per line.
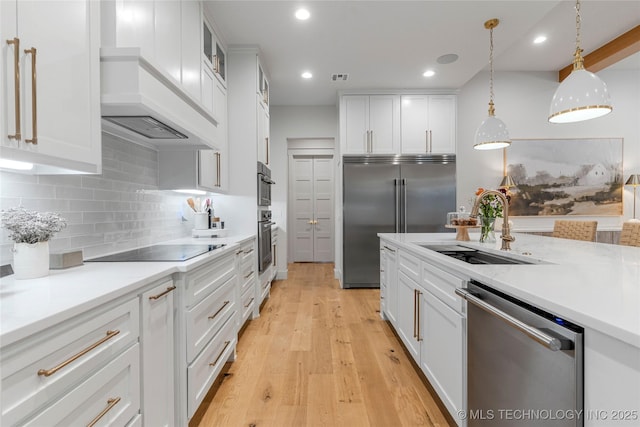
<point>144,105</point>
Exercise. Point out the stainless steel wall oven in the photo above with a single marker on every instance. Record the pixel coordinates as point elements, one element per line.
<point>265,254</point>
<point>264,185</point>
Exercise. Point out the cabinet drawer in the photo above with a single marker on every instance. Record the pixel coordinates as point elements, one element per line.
<point>40,368</point>
<point>206,318</point>
<point>410,265</point>
<point>113,392</point>
<point>203,371</point>
<point>247,256</point>
<point>443,285</point>
<point>203,281</point>
<point>247,279</point>
<point>247,300</point>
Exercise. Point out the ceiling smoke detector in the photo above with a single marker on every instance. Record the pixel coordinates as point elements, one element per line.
<point>339,77</point>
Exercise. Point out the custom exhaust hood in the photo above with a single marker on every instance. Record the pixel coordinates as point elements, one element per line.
<point>144,105</point>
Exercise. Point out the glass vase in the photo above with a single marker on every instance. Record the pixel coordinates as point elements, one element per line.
<point>487,235</point>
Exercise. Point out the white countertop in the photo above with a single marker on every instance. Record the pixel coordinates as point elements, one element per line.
<point>28,306</point>
<point>595,285</point>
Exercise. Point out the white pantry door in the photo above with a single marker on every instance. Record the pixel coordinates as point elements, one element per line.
<point>312,196</point>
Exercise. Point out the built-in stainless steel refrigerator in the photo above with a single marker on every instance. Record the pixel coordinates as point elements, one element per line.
<point>393,194</point>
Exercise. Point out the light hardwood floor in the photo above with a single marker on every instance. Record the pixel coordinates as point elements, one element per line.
<point>319,356</point>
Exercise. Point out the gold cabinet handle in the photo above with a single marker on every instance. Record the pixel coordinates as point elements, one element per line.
<point>219,310</point>
<point>249,303</point>
<point>34,98</point>
<point>239,252</point>
<point>49,372</point>
<point>248,275</point>
<point>274,255</point>
<point>16,71</point>
<point>267,141</point>
<point>110,404</point>
<point>418,294</point>
<point>249,251</point>
<point>160,295</point>
<point>226,344</point>
<point>426,141</point>
<point>430,141</point>
<point>218,162</point>
<point>414,313</point>
<point>216,63</point>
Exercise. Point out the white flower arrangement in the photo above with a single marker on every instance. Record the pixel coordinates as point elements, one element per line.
<point>30,226</point>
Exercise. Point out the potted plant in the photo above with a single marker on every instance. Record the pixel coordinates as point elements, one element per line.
<point>31,231</point>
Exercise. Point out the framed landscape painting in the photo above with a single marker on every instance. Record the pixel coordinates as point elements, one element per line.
<point>565,176</point>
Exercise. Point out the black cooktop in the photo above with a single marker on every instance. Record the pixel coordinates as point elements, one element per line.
<point>158,253</point>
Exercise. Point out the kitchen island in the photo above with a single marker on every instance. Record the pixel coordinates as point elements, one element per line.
<point>596,286</point>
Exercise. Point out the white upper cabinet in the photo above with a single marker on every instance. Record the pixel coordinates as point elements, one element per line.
<point>50,85</point>
<point>370,124</point>
<point>168,31</point>
<point>262,87</point>
<point>190,52</point>
<point>264,150</point>
<point>428,124</point>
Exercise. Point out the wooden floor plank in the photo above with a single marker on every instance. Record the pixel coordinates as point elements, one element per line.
<point>320,356</point>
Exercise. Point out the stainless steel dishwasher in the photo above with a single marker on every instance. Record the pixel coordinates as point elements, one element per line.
<point>524,365</point>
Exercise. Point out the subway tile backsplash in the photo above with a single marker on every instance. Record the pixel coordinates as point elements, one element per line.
<point>118,210</point>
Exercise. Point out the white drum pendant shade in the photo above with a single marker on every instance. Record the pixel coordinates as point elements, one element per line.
<point>492,134</point>
<point>581,96</point>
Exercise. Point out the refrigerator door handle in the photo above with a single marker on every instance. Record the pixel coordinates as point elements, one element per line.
<point>404,204</point>
<point>397,209</point>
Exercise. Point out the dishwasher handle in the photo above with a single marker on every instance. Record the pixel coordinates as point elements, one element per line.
<point>552,343</point>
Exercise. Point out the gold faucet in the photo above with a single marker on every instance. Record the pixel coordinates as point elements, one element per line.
<point>506,236</point>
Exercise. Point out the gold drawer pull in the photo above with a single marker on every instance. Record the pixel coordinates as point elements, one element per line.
<point>160,295</point>
<point>226,344</point>
<point>239,252</point>
<point>246,276</point>
<point>49,372</point>
<point>249,303</point>
<point>219,310</point>
<point>110,404</point>
<point>16,71</point>
<point>249,251</point>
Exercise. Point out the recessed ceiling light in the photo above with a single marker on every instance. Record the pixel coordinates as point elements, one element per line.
<point>302,14</point>
<point>540,39</point>
<point>307,75</point>
<point>429,73</point>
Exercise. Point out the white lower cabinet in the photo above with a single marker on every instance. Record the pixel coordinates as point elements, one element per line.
<point>206,328</point>
<point>204,369</point>
<point>430,320</point>
<point>40,371</point>
<point>109,397</point>
<point>158,400</point>
<point>441,350</point>
<point>247,275</point>
<point>390,267</point>
<point>407,325</point>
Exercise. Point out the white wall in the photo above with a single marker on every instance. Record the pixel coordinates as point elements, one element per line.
<point>522,101</point>
<point>294,122</point>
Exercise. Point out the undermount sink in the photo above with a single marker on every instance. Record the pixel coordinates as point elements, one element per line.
<point>473,256</point>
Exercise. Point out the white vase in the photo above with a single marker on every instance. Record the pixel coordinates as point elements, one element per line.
<point>30,260</point>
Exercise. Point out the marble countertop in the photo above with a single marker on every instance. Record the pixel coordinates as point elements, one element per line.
<point>28,306</point>
<point>595,285</point>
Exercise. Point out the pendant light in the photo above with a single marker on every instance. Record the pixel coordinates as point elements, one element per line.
<point>582,95</point>
<point>492,133</point>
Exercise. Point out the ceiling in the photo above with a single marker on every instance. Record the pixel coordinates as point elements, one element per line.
<point>389,44</point>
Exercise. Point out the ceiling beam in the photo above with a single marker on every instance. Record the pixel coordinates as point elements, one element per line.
<point>610,53</point>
